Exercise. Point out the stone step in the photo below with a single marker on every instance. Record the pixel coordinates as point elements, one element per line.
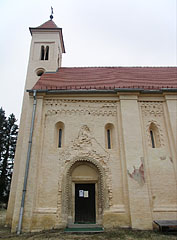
<point>84,230</point>
<point>86,225</point>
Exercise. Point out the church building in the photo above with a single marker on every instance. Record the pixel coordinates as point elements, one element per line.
<point>97,145</point>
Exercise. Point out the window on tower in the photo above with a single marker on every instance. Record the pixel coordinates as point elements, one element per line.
<point>44,53</point>
<point>47,53</point>
<point>39,71</point>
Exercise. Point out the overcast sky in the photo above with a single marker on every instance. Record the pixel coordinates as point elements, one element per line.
<point>96,33</point>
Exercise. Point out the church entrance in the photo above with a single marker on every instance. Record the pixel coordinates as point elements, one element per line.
<point>85,211</point>
<point>83,192</point>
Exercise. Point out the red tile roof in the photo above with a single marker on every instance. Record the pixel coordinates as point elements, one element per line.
<point>109,78</point>
<point>48,24</point>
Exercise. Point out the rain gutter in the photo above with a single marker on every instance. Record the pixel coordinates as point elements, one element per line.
<point>27,164</point>
<point>93,91</point>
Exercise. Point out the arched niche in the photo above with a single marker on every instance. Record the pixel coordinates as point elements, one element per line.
<point>84,173</point>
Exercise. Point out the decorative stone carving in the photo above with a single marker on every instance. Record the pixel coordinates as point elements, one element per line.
<point>83,149</point>
<point>152,112</point>
<point>85,145</point>
<point>160,133</point>
<point>80,107</point>
<point>64,102</point>
<point>152,108</point>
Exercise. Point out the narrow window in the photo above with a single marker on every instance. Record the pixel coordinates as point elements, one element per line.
<point>60,138</point>
<point>109,138</point>
<point>59,134</point>
<point>152,139</point>
<point>47,53</point>
<point>154,135</point>
<point>42,52</point>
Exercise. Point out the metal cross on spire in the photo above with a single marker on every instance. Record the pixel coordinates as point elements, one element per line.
<point>51,16</point>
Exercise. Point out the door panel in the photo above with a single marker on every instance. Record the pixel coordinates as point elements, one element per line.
<point>85,203</point>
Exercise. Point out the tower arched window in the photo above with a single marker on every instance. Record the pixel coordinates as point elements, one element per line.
<point>109,136</point>
<point>154,136</point>
<point>44,52</point>
<point>47,53</point>
<point>59,134</point>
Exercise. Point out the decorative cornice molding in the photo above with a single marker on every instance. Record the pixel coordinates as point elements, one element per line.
<point>80,107</point>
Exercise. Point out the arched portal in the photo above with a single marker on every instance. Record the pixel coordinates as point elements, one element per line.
<point>84,194</point>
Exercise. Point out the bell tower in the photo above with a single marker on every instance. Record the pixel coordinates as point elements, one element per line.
<point>46,50</point>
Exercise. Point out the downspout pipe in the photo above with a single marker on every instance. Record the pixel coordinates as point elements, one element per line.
<point>27,164</point>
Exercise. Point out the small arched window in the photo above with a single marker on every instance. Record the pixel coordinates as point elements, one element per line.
<point>109,136</point>
<point>47,53</point>
<point>42,52</point>
<point>154,136</point>
<point>59,134</point>
<point>60,137</point>
<point>152,139</point>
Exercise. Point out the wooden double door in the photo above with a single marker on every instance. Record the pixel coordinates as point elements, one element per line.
<point>85,203</point>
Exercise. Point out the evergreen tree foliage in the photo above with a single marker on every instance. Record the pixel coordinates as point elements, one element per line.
<point>8,138</point>
<point>2,132</point>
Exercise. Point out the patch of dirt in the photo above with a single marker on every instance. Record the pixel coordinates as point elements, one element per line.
<point>114,234</point>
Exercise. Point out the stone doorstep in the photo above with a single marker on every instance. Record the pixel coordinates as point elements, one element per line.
<point>84,225</point>
<point>84,228</point>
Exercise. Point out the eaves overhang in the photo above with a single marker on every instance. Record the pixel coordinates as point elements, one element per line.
<point>104,91</point>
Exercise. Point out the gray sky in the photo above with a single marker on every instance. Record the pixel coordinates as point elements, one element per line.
<point>96,33</point>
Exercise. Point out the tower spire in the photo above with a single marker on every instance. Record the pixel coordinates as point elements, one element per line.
<point>51,16</point>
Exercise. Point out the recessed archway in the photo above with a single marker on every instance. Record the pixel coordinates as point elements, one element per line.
<point>83,171</point>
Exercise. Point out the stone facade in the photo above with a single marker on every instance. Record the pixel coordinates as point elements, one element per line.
<point>134,182</point>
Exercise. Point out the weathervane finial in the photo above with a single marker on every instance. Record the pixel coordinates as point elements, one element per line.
<point>51,16</point>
